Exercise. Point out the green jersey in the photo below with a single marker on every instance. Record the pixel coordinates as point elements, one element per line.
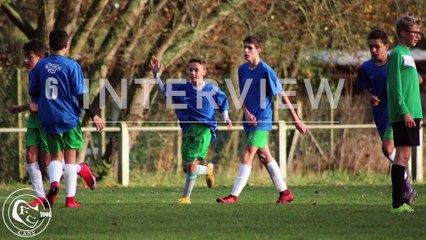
<point>403,85</point>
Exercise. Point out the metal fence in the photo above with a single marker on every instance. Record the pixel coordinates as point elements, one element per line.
<point>416,163</point>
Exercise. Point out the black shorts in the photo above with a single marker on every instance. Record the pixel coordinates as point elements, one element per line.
<point>404,136</point>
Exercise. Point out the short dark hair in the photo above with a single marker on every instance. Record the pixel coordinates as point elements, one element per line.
<point>378,34</point>
<point>198,60</point>
<point>256,40</point>
<point>58,39</point>
<point>35,46</point>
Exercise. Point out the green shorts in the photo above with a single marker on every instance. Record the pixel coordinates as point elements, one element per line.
<point>388,133</point>
<point>72,139</point>
<point>196,142</point>
<point>258,138</point>
<point>35,135</point>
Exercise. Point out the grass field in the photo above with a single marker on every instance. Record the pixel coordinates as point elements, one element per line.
<point>318,212</point>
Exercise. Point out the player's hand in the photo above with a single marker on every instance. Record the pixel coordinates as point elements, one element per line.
<point>374,100</point>
<point>99,122</point>
<point>301,127</point>
<point>251,119</point>
<point>155,66</point>
<point>33,107</point>
<point>409,121</point>
<point>229,123</point>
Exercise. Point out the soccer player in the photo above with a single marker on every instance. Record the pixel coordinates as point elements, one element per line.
<point>35,137</point>
<point>405,108</point>
<point>58,84</point>
<point>373,78</point>
<point>261,83</point>
<point>197,101</point>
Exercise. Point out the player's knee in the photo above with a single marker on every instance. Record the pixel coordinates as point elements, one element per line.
<point>32,155</point>
<point>387,151</point>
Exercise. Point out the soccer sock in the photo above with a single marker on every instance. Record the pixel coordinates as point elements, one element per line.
<point>407,183</point>
<point>78,168</point>
<point>55,171</point>
<point>391,157</point>
<point>397,175</point>
<point>63,164</point>
<point>241,180</point>
<point>189,184</point>
<point>276,176</point>
<point>70,178</point>
<point>36,178</point>
<point>201,170</point>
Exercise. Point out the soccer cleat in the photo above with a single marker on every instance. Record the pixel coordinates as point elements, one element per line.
<point>410,197</point>
<point>51,195</point>
<point>285,196</point>
<point>404,208</point>
<point>210,175</point>
<point>87,175</point>
<point>184,200</point>
<point>228,199</point>
<point>71,203</point>
<point>39,201</point>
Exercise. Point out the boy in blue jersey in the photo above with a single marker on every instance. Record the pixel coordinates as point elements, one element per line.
<point>58,84</point>
<point>37,152</point>
<point>261,83</point>
<point>196,102</point>
<point>373,78</point>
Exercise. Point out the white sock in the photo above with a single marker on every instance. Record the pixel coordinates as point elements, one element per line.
<point>78,168</point>
<point>189,184</point>
<point>392,156</point>
<point>70,178</point>
<point>241,180</point>
<point>55,171</point>
<point>201,170</point>
<point>276,176</point>
<point>63,164</point>
<point>36,178</point>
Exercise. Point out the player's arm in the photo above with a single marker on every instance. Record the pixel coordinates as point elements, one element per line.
<point>300,126</point>
<point>395,89</point>
<point>99,122</point>
<point>155,68</point>
<point>14,109</point>
<point>249,116</point>
<point>223,104</point>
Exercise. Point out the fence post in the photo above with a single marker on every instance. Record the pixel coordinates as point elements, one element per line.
<point>282,147</point>
<point>418,168</point>
<point>123,166</point>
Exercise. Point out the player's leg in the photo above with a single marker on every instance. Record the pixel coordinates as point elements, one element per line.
<point>405,138</point>
<point>190,168</point>
<point>265,156</point>
<point>397,175</point>
<point>195,146</point>
<point>32,141</point>
<point>56,146</point>
<point>73,141</point>
<point>255,140</point>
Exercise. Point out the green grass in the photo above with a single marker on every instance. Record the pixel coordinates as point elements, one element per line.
<point>340,212</point>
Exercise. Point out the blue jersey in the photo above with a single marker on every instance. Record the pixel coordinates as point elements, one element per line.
<point>57,80</point>
<point>374,78</point>
<point>261,85</point>
<point>186,98</point>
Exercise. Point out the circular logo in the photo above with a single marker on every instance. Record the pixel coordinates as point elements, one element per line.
<point>24,214</point>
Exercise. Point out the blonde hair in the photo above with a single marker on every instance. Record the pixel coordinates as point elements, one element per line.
<point>405,22</point>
